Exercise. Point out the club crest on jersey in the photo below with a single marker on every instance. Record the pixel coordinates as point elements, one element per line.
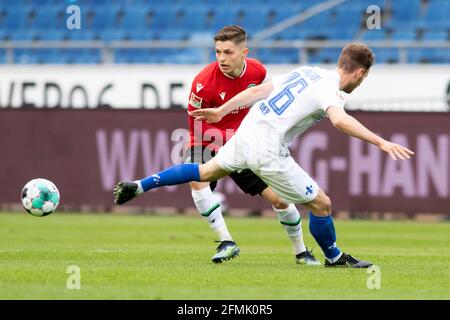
<point>195,101</point>
<point>222,95</point>
<point>199,87</point>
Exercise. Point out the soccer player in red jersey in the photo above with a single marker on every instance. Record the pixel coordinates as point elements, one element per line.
<point>218,82</point>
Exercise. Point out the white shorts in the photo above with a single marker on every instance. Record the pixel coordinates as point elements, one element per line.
<point>277,169</point>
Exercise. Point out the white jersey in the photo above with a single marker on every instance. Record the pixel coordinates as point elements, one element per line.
<point>299,100</point>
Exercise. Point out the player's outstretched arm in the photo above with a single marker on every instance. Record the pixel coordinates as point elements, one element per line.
<point>348,124</point>
<point>248,96</point>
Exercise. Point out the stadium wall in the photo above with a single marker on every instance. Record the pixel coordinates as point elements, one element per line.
<point>388,88</point>
<point>85,152</point>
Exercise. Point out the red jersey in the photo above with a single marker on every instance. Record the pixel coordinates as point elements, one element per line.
<point>210,89</point>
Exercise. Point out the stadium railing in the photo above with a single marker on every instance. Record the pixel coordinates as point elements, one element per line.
<point>304,47</point>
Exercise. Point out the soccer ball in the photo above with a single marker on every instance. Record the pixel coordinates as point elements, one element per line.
<point>40,197</point>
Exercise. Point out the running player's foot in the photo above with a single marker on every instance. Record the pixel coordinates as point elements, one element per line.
<point>307,258</point>
<point>347,261</point>
<point>225,251</point>
<point>124,192</point>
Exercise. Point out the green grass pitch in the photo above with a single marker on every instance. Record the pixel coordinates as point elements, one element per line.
<point>151,257</point>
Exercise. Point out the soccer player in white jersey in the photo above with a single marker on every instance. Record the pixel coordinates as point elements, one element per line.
<point>284,108</point>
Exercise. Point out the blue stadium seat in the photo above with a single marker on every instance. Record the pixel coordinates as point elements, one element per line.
<point>187,56</point>
<point>386,55</point>
<point>11,4</point>
<point>276,55</point>
<point>192,18</point>
<point>82,56</point>
<point>45,18</point>
<point>429,55</point>
<point>281,13</point>
<point>80,35</point>
<point>375,34</point>
<point>22,35</point>
<point>2,56</point>
<point>135,18</point>
<point>104,18</point>
<point>435,35</point>
<point>51,35</point>
<point>163,18</point>
<point>405,10</point>
<point>142,35</point>
<point>173,34</point>
<point>4,35</point>
<point>400,34</point>
<point>112,34</point>
<point>325,55</point>
<point>15,19</point>
<point>437,16</point>
<point>222,17</point>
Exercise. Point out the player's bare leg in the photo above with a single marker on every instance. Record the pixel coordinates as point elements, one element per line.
<point>322,228</point>
<point>208,205</point>
<point>291,221</point>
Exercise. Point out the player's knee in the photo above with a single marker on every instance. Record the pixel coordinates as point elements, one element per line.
<point>198,185</point>
<point>205,173</point>
<point>279,204</point>
<point>321,205</point>
<point>324,206</point>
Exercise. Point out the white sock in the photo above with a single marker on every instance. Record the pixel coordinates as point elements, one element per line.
<point>209,206</point>
<point>139,189</point>
<point>292,223</point>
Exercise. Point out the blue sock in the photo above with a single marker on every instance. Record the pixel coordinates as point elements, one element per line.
<point>322,229</point>
<point>178,174</point>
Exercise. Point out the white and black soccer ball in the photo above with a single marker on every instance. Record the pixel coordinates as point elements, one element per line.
<point>40,197</point>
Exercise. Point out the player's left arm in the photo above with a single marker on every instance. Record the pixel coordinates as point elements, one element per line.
<point>246,97</point>
<point>349,125</point>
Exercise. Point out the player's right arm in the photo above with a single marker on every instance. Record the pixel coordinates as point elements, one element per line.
<point>246,97</point>
<point>349,125</point>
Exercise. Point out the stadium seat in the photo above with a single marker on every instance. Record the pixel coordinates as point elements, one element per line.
<point>22,35</point>
<point>386,55</point>
<point>2,56</point>
<point>325,55</point>
<point>437,16</point>
<point>429,55</point>
<point>15,19</point>
<point>47,18</point>
<point>162,18</point>
<point>399,34</point>
<point>105,17</point>
<point>192,18</point>
<point>80,35</point>
<point>375,34</point>
<point>435,35</point>
<point>199,20</point>
<point>135,18</point>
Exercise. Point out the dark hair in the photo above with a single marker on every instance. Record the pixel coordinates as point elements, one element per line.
<point>231,33</point>
<point>355,55</point>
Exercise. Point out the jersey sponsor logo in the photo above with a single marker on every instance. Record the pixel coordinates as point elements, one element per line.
<point>195,101</point>
<point>222,95</point>
<point>199,87</point>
